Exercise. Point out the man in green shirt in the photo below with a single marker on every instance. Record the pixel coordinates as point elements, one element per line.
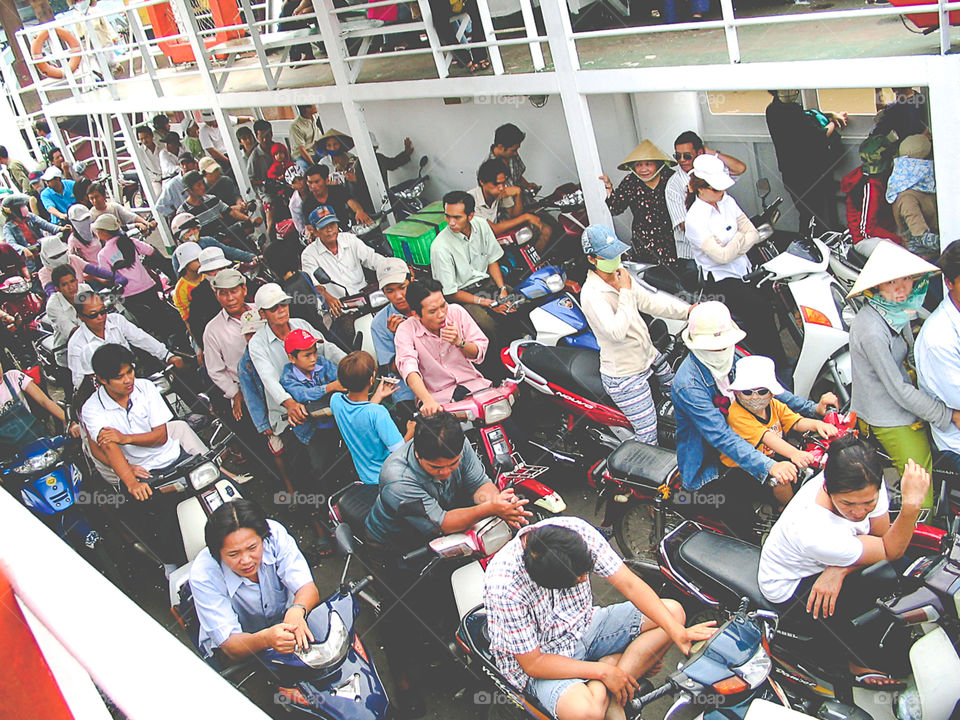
<point>17,170</point>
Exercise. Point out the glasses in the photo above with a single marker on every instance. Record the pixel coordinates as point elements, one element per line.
<point>758,391</point>
<point>94,315</point>
<point>683,156</point>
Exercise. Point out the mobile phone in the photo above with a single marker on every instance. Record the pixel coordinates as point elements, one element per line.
<point>390,379</point>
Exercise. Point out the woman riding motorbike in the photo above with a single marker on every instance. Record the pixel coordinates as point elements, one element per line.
<point>53,252</point>
<point>18,425</point>
<point>884,395</point>
<point>22,228</point>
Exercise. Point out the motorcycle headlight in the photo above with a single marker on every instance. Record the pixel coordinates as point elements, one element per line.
<point>378,299</point>
<point>497,411</point>
<point>908,704</point>
<point>331,651</point>
<point>554,282</point>
<point>411,193</point>
<point>524,235</point>
<point>205,475</point>
<point>755,670</point>
<point>38,463</point>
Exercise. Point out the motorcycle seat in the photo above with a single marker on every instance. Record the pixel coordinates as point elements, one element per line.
<point>669,281</point>
<point>858,254</point>
<point>575,369</point>
<point>355,503</point>
<point>713,559</point>
<point>644,464</point>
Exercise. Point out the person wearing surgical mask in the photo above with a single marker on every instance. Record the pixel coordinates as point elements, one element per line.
<point>702,393</point>
<point>643,190</point>
<point>612,303</point>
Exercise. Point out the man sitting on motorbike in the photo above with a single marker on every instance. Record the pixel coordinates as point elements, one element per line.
<point>185,228</point>
<point>251,585</point>
<point>439,348</point>
<point>61,312</point>
<point>393,278</point>
<point>99,326</point>
<point>547,637</point>
<point>214,216</point>
<point>835,526</point>
<point>701,396</point>
<point>501,204</point>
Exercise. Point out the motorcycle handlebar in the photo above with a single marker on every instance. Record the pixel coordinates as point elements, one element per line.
<point>753,275</point>
<point>868,617</point>
<point>425,551</point>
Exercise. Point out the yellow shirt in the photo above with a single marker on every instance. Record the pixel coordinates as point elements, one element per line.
<point>752,429</point>
<point>181,296</point>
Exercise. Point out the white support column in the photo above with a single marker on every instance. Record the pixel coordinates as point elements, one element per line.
<point>576,111</point>
<point>356,122</point>
<point>944,111</point>
<point>733,44</point>
<point>433,39</point>
<point>487,21</point>
<point>133,21</point>
<point>110,142</point>
<point>183,10</point>
<point>944,18</point>
<point>146,186</point>
<point>529,22</point>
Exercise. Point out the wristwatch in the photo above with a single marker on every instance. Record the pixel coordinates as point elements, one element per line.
<point>462,343</point>
<point>302,607</point>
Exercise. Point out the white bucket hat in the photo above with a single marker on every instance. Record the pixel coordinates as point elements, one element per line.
<point>887,262</point>
<point>211,259</point>
<point>711,169</point>
<point>756,371</point>
<point>186,254</point>
<point>710,327</point>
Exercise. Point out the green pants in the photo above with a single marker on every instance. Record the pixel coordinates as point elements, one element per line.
<point>906,442</point>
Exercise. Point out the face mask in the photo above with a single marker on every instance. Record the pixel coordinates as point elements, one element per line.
<point>24,211</point>
<point>608,266</point>
<point>756,404</point>
<point>898,315</point>
<point>719,362</point>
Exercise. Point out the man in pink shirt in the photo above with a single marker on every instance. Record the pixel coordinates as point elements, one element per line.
<point>438,348</point>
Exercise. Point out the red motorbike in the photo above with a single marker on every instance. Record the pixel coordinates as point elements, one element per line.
<point>24,308</point>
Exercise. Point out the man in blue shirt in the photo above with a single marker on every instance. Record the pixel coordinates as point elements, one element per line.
<point>366,426</point>
<point>393,277</point>
<point>57,196</point>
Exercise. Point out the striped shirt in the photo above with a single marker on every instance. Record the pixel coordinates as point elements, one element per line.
<point>676,192</point>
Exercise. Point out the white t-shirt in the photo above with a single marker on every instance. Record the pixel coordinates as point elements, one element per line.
<point>345,268</point>
<point>704,220</point>
<point>210,137</point>
<point>809,538</point>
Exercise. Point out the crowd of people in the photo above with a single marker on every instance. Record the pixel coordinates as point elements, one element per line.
<point>270,354</point>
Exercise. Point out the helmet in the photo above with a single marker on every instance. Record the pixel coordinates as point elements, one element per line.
<point>15,285</point>
<point>293,172</point>
<point>14,202</point>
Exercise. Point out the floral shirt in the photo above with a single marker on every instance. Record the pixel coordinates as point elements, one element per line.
<point>652,230</point>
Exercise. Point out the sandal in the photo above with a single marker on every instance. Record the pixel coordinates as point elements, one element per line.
<point>882,681</point>
<point>484,64</point>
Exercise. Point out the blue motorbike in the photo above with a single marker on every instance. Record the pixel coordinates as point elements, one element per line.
<point>51,486</point>
<point>554,313</point>
<point>335,677</point>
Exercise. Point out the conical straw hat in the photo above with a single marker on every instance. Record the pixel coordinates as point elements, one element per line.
<point>344,139</point>
<point>645,151</point>
<point>887,262</point>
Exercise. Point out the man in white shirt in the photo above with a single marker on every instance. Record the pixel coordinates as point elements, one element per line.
<point>501,204</point>
<point>170,154</point>
<point>211,140</point>
<point>151,157</point>
<point>99,327</point>
<point>269,356</point>
<point>688,146</point>
<point>342,256</point>
<point>174,191</point>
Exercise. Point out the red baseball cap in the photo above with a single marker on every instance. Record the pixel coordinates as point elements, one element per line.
<point>298,340</point>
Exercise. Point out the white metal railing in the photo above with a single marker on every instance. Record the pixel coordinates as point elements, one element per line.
<point>137,662</point>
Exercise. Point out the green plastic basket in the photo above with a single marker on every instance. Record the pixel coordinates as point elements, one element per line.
<point>411,240</point>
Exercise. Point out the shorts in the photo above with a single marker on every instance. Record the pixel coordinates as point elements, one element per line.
<point>611,629</point>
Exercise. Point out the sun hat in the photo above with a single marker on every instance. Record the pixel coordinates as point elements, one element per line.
<point>105,222</point>
<point>298,340</point>
<point>183,221</point>
<point>710,327</point>
<point>345,140</point>
<point>756,371</point>
<point>229,278</point>
<point>52,172</point>
<point>392,271</point>
<point>78,213</point>
<point>212,258</point>
<point>916,146</point>
<point>645,151</point>
<point>711,170</point>
<point>186,254</point>
<point>603,242</point>
<point>250,322</point>
<point>207,115</point>
<point>208,165</point>
<point>269,296</point>
<point>321,217</point>
<point>887,262</point>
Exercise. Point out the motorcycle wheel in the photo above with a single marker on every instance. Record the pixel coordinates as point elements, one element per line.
<point>637,537</point>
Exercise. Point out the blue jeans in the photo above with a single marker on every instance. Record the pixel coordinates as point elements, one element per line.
<point>696,6</point>
<point>612,628</point>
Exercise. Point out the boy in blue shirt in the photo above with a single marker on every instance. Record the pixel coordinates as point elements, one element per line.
<point>308,377</point>
<point>366,426</point>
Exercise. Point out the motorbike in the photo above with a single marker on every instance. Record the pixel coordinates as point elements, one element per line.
<point>718,570</point>
<point>18,300</point>
<point>404,197</point>
<point>53,488</point>
<point>361,306</point>
<point>724,677</point>
<point>552,310</point>
<point>334,678</point>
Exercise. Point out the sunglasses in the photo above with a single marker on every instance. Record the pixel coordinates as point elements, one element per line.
<point>683,156</point>
<point>758,391</point>
<point>98,313</point>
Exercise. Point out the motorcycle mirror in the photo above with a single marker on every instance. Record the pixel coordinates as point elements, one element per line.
<point>344,536</point>
<point>763,187</point>
<point>423,162</point>
<point>321,276</point>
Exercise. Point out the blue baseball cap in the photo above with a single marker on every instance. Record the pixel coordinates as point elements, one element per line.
<point>603,242</point>
<point>322,216</point>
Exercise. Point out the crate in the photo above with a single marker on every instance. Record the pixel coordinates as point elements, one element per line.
<point>411,240</point>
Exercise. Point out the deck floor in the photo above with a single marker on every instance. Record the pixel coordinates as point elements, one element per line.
<point>834,39</point>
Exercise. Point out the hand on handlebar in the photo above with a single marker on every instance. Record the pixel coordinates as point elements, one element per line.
<point>176,361</point>
<point>621,684</point>
<point>827,401</point>
<point>336,307</point>
<point>783,472</point>
<point>140,490</point>
<point>509,507</point>
<point>363,218</point>
<point>826,430</point>
<point>296,413</point>
<point>802,459</point>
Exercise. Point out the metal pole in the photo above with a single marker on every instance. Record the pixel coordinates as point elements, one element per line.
<point>146,185</point>
<point>536,52</point>
<point>730,30</point>
<point>438,57</point>
<point>944,111</point>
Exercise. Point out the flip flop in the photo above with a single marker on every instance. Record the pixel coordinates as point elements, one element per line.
<point>889,683</point>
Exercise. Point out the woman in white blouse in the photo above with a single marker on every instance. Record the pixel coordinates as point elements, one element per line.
<point>721,234</point>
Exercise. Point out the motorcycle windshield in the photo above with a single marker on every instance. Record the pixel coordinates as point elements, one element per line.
<point>805,249</point>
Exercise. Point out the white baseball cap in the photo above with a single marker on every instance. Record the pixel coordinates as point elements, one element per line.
<point>182,219</point>
<point>391,271</point>
<point>250,322</point>
<point>51,172</point>
<point>711,169</point>
<point>211,259</point>
<point>186,254</point>
<point>756,371</point>
<point>269,296</point>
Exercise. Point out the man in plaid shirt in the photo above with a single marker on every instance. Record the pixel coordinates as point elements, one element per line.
<point>548,638</point>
